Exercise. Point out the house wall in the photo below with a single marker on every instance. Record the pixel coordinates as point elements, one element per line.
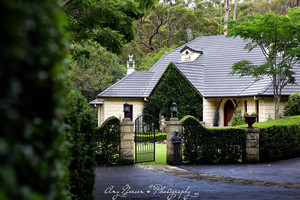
<point>266,108</point>
<point>114,107</point>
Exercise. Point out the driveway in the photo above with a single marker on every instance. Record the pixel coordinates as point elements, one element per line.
<point>277,180</point>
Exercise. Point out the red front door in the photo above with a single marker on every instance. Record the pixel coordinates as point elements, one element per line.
<point>228,112</point>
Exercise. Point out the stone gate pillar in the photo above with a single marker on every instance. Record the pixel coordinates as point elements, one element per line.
<point>127,142</point>
<point>252,145</point>
<point>171,126</point>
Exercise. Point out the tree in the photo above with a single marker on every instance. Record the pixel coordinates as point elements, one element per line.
<point>278,37</point>
<point>110,23</point>
<point>93,69</point>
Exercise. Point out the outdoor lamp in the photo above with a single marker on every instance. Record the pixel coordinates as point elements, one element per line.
<point>174,109</point>
<point>126,110</point>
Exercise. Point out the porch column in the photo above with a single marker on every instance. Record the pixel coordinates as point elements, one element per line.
<point>171,126</point>
<point>127,142</point>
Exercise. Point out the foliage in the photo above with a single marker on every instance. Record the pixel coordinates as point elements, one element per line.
<point>203,145</point>
<point>173,87</point>
<point>217,116</point>
<point>158,137</point>
<point>109,22</point>
<point>31,82</point>
<point>93,69</point>
<point>81,137</point>
<point>108,142</point>
<point>237,118</point>
<point>292,107</point>
<point>279,142</point>
<point>279,39</point>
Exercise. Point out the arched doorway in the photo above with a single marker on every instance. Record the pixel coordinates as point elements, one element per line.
<point>228,112</point>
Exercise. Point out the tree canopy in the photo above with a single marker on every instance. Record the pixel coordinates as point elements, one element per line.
<point>278,37</point>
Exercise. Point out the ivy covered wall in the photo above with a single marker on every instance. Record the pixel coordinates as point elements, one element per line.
<point>174,87</point>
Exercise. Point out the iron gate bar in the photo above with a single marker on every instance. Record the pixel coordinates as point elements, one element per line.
<point>144,138</point>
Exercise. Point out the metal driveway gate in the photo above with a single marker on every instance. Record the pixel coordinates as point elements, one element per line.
<point>144,138</point>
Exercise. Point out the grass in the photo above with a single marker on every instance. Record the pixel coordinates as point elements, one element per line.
<point>277,122</point>
<point>160,155</point>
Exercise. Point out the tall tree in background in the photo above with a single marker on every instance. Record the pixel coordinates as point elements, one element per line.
<point>110,23</point>
<point>278,36</point>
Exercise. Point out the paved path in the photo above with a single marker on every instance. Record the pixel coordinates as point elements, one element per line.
<point>278,180</point>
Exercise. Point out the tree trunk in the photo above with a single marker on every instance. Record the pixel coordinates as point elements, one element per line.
<point>226,16</point>
<point>277,105</point>
<point>235,8</point>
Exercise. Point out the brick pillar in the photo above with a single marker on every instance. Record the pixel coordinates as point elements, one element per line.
<point>252,145</point>
<point>127,142</point>
<point>171,126</point>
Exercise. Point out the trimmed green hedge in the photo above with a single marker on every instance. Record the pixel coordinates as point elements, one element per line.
<point>158,137</point>
<point>108,142</point>
<point>202,145</point>
<point>279,142</point>
<point>81,137</point>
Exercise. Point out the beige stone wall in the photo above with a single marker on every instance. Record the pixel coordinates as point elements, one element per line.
<point>266,108</point>
<point>114,107</point>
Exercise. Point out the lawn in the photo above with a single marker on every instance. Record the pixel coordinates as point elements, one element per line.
<point>278,122</point>
<point>160,155</point>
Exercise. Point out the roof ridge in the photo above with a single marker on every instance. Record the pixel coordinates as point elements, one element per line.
<point>116,83</point>
<point>148,83</point>
<point>265,88</point>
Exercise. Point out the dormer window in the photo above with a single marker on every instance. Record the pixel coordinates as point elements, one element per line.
<point>188,54</point>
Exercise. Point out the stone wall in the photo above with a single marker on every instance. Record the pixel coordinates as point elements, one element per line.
<point>127,141</point>
<point>252,145</point>
<point>171,127</point>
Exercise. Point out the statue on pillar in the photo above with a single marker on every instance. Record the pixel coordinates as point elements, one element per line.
<point>176,141</point>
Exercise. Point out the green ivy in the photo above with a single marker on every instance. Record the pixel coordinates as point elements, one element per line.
<point>174,87</point>
<point>202,145</point>
<point>279,142</point>
<point>108,142</point>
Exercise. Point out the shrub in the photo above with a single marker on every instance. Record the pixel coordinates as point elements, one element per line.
<point>203,145</point>
<point>108,142</point>
<point>279,142</point>
<point>292,107</point>
<point>237,118</point>
<point>81,122</point>
<point>31,139</point>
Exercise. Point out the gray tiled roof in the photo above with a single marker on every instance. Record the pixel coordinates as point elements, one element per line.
<point>208,74</point>
<point>132,86</point>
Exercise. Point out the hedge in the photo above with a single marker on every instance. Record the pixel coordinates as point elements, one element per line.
<point>202,145</point>
<point>108,142</point>
<point>31,85</point>
<point>279,142</point>
<point>81,137</point>
<point>158,137</point>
